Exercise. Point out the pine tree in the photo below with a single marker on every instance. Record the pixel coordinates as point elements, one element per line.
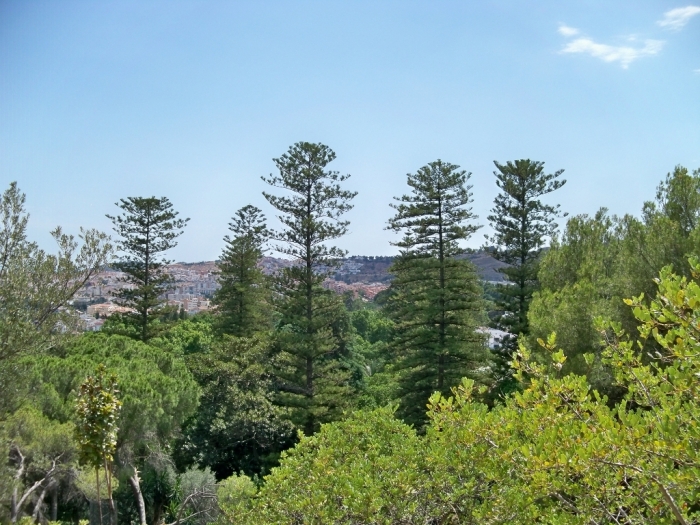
<point>243,298</point>
<point>435,297</point>
<point>148,227</point>
<point>522,223</point>
<point>311,379</point>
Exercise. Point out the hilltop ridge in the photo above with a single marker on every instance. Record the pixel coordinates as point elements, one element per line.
<point>366,269</point>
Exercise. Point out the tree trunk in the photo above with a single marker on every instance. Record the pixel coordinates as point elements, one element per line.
<point>13,506</point>
<point>112,509</point>
<point>54,502</point>
<point>99,498</point>
<point>40,502</point>
<point>138,496</point>
<point>100,508</point>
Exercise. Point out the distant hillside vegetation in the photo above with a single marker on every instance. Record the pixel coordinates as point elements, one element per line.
<point>486,265</point>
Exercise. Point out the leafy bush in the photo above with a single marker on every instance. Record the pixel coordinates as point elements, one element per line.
<point>234,495</point>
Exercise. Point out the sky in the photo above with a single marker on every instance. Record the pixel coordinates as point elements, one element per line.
<point>191,100</point>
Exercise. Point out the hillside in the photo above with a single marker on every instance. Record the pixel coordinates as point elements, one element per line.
<point>367,269</point>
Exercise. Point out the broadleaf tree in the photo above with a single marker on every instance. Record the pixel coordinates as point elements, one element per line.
<point>312,381</point>
<point>435,297</point>
<point>36,288</point>
<point>236,428</point>
<point>97,411</point>
<point>157,393</point>
<point>555,452</point>
<point>148,227</point>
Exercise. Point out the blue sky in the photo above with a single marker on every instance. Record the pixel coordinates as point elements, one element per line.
<point>192,100</point>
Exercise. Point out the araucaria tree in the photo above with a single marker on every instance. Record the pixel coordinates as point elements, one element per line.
<point>435,297</point>
<point>243,298</point>
<point>148,227</point>
<point>311,379</point>
<point>522,223</point>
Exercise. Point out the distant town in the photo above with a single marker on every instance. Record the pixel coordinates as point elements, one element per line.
<point>195,284</point>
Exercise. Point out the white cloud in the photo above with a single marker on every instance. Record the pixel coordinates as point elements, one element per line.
<point>625,55</point>
<point>696,71</point>
<point>567,31</point>
<point>675,19</point>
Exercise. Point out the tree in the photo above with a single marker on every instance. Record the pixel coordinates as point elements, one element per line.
<point>237,427</point>
<point>36,287</point>
<point>580,280</point>
<point>148,227</point>
<point>157,393</point>
<point>436,298</point>
<point>234,495</point>
<point>667,233</point>
<point>196,498</point>
<point>243,298</point>
<point>311,379</point>
<point>678,198</point>
<point>600,260</point>
<point>554,452</point>
<point>37,452</point>
<point>522,223</point>
<point>371,473</point>
<point>97,411</point>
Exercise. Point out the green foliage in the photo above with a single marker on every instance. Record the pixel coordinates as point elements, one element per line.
<point>375,377</point>
<point>436,298</point>
<point>434,219</point>
<point>678,198</point>
<point>372,325</point>
<point>580,281</point>
<point>195,498</point>
<point>157,391</point>
<point>234,496</point>
<point>555,452</point>
<point>311,379</point>
<point>189,336</point>
<point>158,394</point>
<point>362,470</point>
<point>600,260</point>
<point>97,410</point>
<point>85,482</point>
<point>147,227</point>
<point>521,223</point>
<point>38,454</point>
<point>237,427</point>
<point>311,216</point>
<point>243,299</point>
<point>36,287</point>
<point>667,233</point>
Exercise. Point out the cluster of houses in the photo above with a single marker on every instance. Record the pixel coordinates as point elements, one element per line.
<point>194,286</point>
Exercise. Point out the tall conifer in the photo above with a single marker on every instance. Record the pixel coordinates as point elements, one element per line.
<point>522,223</point>
<point>148,227</point>
<point>243,298</point>
<point>435,297</point>
<point>311,379</point>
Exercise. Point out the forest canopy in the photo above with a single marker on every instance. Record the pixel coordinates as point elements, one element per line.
<point>291,403</point>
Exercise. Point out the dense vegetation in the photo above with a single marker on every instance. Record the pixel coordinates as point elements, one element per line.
<point>292,404</point>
